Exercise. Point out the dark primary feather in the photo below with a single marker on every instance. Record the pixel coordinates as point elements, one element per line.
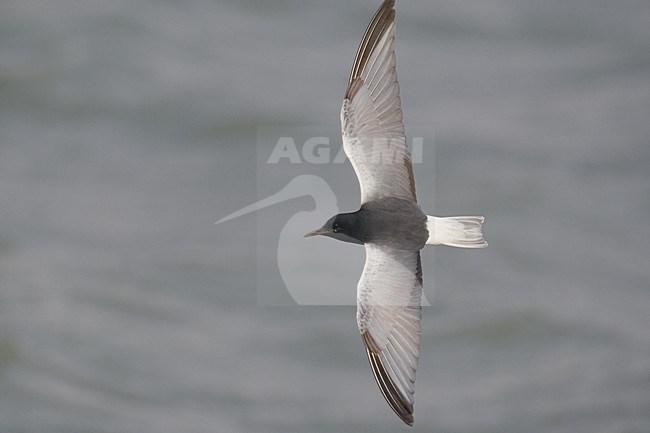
<point>384,16</point>
<point>389,390</point>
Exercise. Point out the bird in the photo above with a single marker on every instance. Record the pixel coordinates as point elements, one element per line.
<point>389,223</point>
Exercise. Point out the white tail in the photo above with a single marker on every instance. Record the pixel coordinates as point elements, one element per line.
<point>462,232</point>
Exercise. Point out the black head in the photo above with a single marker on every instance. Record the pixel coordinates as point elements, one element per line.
<point>344,227</point>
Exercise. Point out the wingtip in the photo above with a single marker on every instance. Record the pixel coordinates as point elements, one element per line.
<point>400,405</point>
<point>390,4</point>
<point>379,24</point>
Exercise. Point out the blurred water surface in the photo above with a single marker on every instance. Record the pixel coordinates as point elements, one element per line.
<point>128,127</point>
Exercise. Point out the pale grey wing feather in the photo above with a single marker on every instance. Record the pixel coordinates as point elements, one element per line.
<point>388,315</point>
<point>371,116</point>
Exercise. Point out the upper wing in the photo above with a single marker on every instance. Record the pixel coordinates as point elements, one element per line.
<point>371,116</point>
<point>388,315</point>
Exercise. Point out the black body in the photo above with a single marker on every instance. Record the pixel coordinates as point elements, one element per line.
<point>392,222</point>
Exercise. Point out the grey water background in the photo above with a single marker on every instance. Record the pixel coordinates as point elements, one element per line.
<point>128,127</point>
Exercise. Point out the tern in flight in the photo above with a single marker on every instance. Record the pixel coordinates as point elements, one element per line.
<point>390,223</point>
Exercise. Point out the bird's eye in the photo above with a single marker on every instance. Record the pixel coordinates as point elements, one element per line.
<point>336,227</point>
